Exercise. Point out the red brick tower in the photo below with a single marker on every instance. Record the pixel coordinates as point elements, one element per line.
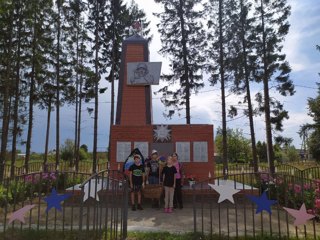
<point>134,127</point>
<point>134,105</point>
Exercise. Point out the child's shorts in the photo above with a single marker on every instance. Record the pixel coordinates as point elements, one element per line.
<point>136,188</point>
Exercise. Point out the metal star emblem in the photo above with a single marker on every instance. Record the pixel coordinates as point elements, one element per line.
<point>162,133</point>
<point>54,200</point>
<point>19,214</point>
<point>226,192</point>
<point>301,216</point>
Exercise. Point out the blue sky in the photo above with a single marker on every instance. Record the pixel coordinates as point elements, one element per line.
<point>205,107</point>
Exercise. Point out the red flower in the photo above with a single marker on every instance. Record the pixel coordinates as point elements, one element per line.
<point>191,177</point>
<point>297,188</point>
<point>317,203</point>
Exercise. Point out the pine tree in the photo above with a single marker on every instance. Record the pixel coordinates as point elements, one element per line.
<point>97,20</point>
<point>19,42</point>
<point>244,65</point>
<point>183,41</point>
<point>221,33</point>
<point>78,40</point>
<point>6,72</point>
<point>271,30</point>
<point>37,65</point>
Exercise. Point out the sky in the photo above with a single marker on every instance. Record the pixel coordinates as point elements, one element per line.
<point>300,48</point>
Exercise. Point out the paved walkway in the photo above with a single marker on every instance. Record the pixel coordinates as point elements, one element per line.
<point>232,221</point>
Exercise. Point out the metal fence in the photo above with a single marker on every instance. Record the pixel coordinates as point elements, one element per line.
<point>38,166</point>
<point>94,206</point>
<point>226,219</point>
<point>312,172</point>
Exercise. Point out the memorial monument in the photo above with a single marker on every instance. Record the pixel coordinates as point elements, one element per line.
<point>134,126</point>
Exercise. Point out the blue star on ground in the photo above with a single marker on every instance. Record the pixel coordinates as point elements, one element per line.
<point>54,200</point>
<point>262,202</point>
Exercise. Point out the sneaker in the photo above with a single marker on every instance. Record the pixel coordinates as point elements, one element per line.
<point>165,210</point>
<point>170,210</point>
<point>139,207</point>
<point>133,208</point>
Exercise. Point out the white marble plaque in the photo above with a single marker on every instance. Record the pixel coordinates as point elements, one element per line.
<point>123,151</point>
<point>183,150</point>
<point>143,147</point>
<point>143,73</point>
<point>200,151</point>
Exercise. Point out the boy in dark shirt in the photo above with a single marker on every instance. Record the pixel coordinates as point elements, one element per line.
<point>137,180</point>
<point>153,173</point>
<point>169,183</point>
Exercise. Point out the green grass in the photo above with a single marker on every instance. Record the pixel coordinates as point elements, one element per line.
<point>53,235</point>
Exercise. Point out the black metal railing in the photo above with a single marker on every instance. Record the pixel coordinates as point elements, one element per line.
<point>97,206</point>
<point>226,219</point>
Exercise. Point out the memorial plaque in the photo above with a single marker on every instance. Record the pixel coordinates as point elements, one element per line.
<point>143,147</point>
<point>183,150</point>
<point>123,151</point>
<point>143,73</point>
<point>200,151</point>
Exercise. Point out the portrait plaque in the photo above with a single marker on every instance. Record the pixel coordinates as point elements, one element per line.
<point>143,73</point>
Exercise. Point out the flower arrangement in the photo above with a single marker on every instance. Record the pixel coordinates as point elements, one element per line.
<point>191,177</point>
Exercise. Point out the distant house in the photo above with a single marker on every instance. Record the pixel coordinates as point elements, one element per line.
<point>21,155</point>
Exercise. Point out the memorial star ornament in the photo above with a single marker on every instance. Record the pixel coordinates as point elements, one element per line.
<point>262,202</point>
<point>19,214</point>
<point>162,133</point>
<point>226,192</point>
<point>91,189</point>
<point>301,216</point>
<point>54,200</point>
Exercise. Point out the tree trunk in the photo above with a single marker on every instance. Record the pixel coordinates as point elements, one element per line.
<point>80,108</point>
<point>31,96</point>
<point>16,100</point>
<point>47,137</point>
<point>58,87</point>
<point>5,128</point>
<point>270,154</point>
<point>113,62</point>
<point>223,97</point>
<point>76,151</point>
<point>96,91</point>
<point>247,83</point>
<point>185,61</point>
<point>6,112</point>
<point>30,124</point>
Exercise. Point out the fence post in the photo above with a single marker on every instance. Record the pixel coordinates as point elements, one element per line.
<point>125,210</point>
<point>194,210</point>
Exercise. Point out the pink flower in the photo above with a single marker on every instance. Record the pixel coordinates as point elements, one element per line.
<point>28,178</point>
<point>317,182</point>
<point>297,188</point>
<point>307,186</point>
<point>311,211</point>
<point>317,203</point>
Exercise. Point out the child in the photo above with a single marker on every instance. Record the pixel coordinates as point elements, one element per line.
<point>137,180</point>
<point>169,183</point>
<point>153,173</point>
